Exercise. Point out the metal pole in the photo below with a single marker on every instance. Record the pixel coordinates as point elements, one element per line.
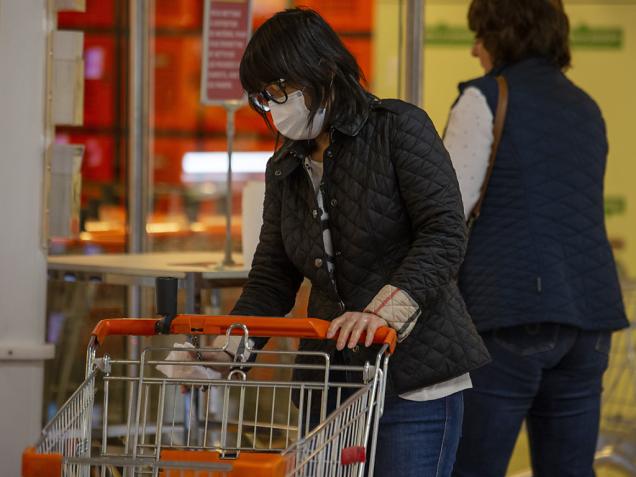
<point>414,60</point>
<point>49,127</point>
<point>230,109</point>
<point>138,141</point>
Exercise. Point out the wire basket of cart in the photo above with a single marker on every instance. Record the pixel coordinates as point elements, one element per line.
<point>214,415</point>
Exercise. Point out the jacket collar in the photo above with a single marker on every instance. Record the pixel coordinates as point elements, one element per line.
<point>531,61</point>
<point>288,157</point>
<point>352,124</point>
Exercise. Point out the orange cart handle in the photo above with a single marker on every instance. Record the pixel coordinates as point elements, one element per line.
<point>218,325</point>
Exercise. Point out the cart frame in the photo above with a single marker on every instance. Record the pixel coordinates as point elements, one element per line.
<point>336,437</point>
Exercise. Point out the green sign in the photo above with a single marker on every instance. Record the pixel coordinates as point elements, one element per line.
<point>615,205</point>
<point>583,36</point>
<point>447,35</point>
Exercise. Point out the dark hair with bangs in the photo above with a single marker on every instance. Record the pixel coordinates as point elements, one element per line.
<point>298,45</point>
<point>512,30</point>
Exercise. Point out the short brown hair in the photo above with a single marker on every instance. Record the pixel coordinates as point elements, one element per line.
<point>512,30</point>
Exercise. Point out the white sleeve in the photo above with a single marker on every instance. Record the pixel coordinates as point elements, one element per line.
<point>468,139</point>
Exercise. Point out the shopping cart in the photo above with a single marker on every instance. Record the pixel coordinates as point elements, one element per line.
<point>267,426</point>
<point>617,440</point>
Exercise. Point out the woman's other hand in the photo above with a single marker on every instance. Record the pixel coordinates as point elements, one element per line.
<point>351,326</point>
<point>226,351</point>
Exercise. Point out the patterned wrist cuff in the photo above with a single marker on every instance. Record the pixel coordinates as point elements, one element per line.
<point>397,308</point>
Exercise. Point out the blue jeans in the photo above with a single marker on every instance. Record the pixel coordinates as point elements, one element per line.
<point>551,376</point>
<point>419,439</point>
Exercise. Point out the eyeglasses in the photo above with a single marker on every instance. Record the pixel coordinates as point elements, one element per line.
<point>261,99</point>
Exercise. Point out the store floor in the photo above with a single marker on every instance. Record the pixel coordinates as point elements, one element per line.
<point>520,463</point>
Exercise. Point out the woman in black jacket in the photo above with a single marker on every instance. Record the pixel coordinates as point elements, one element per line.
<point>362,200</point>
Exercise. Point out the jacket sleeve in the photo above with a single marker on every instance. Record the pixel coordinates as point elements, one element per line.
<point>430,192</point>
<point>273,280</point>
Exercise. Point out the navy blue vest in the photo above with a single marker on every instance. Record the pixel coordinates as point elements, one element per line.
<point>539,252</point>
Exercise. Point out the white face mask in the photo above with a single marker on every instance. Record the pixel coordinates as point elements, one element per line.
<point>292,116</point>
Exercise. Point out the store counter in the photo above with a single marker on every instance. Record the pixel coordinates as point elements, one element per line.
<point>194,270</point>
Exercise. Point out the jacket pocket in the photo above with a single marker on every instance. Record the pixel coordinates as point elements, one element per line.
<point>603,342</point>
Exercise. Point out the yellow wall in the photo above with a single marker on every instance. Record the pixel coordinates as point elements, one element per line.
<point>605,73</point>
<point>609,76</point>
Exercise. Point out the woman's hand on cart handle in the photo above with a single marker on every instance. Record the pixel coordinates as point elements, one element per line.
<point>350,326</point>
<point>310,328</point>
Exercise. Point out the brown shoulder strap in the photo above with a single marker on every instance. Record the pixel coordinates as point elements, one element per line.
<point>498,124</point>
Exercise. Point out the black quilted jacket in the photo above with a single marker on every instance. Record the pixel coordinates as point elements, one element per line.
<point>396,218</point>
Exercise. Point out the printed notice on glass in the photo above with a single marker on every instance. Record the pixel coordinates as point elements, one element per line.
<point>226,31</point>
